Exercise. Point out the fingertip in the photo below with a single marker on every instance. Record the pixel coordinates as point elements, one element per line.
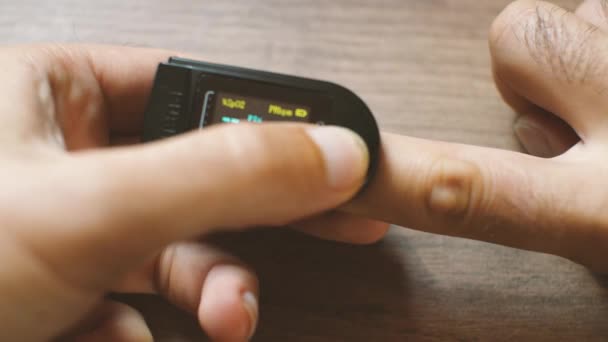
<point>375,232</point>
<point>344,153</point>
<point>229,307</point>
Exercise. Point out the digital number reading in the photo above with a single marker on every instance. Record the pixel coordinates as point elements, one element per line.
<point>232,108</point>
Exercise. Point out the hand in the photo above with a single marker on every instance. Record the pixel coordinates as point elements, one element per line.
<point>551,66</point>
<point>80,220</point>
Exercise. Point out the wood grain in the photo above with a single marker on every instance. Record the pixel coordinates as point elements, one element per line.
<point>424,69</point>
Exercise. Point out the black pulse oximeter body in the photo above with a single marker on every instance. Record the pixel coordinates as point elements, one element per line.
<point>191,95</point>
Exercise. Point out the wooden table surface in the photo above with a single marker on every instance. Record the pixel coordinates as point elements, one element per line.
<point>423,67</point>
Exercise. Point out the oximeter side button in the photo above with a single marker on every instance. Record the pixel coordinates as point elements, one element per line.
<point>167,112</point>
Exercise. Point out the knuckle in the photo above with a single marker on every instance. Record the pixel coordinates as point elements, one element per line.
<point>563,47</point>
<point>65,92</point>
<point>57,60</point>
<point>455,190</point>
<point>551,36</point>
<point>508,21</point>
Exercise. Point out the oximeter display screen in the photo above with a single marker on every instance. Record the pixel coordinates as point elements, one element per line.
<point>225,100</point>
<point>233,108</point>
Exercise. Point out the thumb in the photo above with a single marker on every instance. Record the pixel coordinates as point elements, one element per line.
<point>114,207</point>
<point>512,199</point>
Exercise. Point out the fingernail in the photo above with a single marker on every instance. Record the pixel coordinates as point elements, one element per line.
<point>533,138</point>
<point>250,303</point>
<point>345,154</point>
